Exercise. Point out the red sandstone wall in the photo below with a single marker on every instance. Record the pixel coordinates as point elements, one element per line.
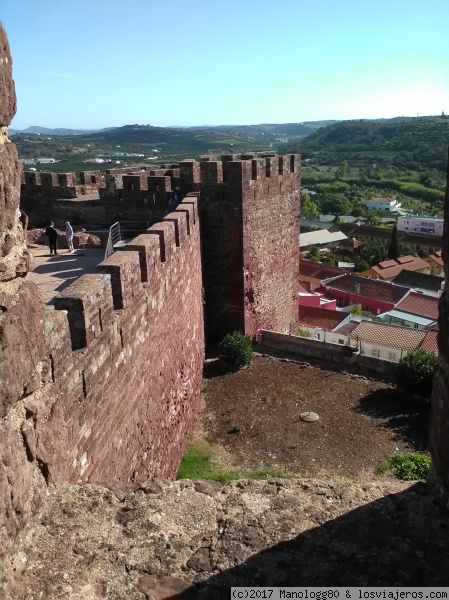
<point>271,244</point>
<point>110,386</point>
<point>250,240</point>
<point>439,420</point>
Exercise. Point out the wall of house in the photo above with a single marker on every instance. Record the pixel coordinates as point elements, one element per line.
<point>371,305</point>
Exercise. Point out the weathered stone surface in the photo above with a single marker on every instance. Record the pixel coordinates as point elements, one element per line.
<point>7,89</point>
<point>22,347</point>
<point>308,532</point>
<point>439,421</point>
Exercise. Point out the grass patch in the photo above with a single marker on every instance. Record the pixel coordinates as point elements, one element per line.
<point>408,467</point>
<point>198,463</point>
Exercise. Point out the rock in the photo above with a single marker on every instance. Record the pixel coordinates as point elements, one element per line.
<point>208,487</point>
<point>309,417</point>
<point>200,561</point>
<point>162,587</point>
<point>8,94</point>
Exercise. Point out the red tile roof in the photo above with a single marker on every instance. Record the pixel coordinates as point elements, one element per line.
<point>430,342</point>
<point>308,268</point>
<point>419,304</point>
<point>310,316</point>
<point>436,257</point>
<point>390,336</point>
<point>368,288</point>
<point>387,269</point>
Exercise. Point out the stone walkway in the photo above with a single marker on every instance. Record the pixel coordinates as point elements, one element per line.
<point>54,273</point>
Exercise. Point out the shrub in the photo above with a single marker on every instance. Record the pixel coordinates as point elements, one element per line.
<point>416,370</point>
<point>410,466</point>
<point>236,349</point>
<point>304,332</point>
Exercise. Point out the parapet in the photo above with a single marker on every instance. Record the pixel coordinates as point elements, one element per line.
<point>148,259</point>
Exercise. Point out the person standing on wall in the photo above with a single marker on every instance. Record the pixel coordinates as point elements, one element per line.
<point>52,235</point>
<point>175,199</point>
<point>69,236</point>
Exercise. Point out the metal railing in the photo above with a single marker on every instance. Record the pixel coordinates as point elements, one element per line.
<point>122,231</point>
<point>114,238</point>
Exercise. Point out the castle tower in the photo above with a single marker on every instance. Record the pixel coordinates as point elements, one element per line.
<point>250,240</point>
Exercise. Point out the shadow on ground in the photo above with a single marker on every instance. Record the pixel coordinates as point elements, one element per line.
<point>406,417</point>
<point>400,540</point>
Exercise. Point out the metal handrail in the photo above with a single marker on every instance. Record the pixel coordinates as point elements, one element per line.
<point>118,233</point>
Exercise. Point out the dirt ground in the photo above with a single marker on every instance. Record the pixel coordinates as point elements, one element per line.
<point>362,421</point>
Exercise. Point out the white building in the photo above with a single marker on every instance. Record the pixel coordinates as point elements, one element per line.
<point>387,204</point>
<point>46,160</point>
<point>27,161</point>
<point>422,225</point>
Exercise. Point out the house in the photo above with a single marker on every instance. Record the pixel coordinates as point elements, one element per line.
<point>423,225</point>
<point>322,238</point>
<point>435,261</point>
<point>46,160</point>
<point>374,296</point>
<point>387,204</point>
<point>312,274</point>
<point>432,285</point>
<point>417,303</point>
<point>388,269</point>
<point>313,317</point>
<point>364,233</point>
<point>416,310</point>
<point>430,342</point>
<point>388,342</point>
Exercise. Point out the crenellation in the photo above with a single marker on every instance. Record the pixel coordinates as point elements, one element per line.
<point>124,270</point>
<point>211,171</point>
<point>83,300</point>
<point>179,220</point>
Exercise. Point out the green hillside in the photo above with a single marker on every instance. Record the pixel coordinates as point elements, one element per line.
<point>417,144</point>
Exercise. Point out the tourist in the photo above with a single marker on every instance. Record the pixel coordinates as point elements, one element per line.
<point>175,198</point>
<point>52,235</point>
<point>69,236</point>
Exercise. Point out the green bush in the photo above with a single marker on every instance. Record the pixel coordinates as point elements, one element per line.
<point>304,332</point>
<point>416,370</point>
<point>236,349</point>
<point>410,466</point>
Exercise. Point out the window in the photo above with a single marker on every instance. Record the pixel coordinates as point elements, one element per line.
<point>392,356</point>
<point>375,352</point>
<point>341,341</point>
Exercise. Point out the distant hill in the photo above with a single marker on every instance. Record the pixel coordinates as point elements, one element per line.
<point>403,142</point>
<point>36,129</point>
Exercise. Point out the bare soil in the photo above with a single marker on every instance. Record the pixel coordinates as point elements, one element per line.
<point>362,421</point>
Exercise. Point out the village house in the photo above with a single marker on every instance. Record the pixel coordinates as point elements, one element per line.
<point>374,296</point>
<point>389,269</point>
<point>416,310</point>
<point>435,261</point>
<point>386,204</point>
<point>432,285</point>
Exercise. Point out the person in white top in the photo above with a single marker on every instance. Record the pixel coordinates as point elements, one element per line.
<point>69,236</point>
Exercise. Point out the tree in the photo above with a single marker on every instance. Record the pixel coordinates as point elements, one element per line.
<point>371,218</point>
<point>416,371</point>
<point>314,254</point>
<point>372,252</point>
<point>342,170</point>
<point>393,249</point>
<point>309,209</point>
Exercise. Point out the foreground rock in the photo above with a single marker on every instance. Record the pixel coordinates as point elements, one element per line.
<point>195,539</point>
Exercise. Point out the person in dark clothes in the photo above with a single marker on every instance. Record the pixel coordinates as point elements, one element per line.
<point>52,235</point>
<point>175,199</point>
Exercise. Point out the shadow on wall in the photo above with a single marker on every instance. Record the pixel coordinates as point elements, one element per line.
<point>400,540</point>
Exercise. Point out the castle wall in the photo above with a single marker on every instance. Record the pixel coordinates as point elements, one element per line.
<point>439,420</point>
<point>250,240</point>
<point>105,386</point>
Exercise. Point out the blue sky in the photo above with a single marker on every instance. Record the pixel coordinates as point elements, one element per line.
<point>98,63</point>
